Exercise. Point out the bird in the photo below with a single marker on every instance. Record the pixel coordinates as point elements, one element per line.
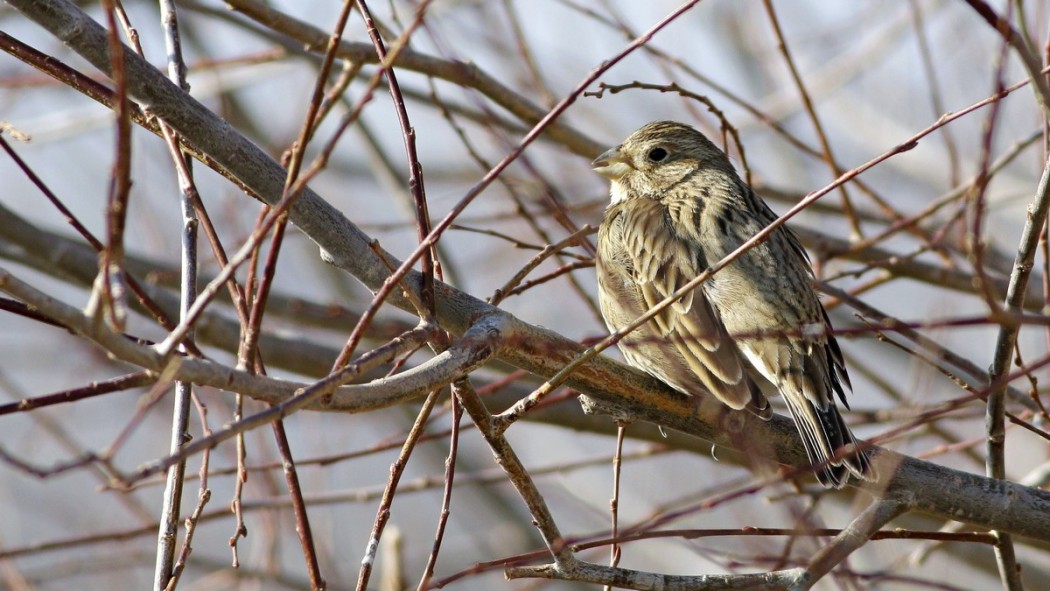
<point>676,206</point>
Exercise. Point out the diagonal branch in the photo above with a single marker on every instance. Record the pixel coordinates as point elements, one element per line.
<point>855,535</point>
<point>515,470</point>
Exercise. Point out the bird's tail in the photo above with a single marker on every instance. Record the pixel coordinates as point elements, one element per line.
<point>824,433</point>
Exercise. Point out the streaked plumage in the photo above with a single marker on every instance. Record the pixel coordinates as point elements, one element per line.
<point>678,205</point>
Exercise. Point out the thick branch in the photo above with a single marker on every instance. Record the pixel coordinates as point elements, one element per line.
<point>473,349</point>
<point>854,536</point>
<point>625,578</point>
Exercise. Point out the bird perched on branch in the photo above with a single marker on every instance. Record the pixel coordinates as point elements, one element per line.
<point>677,207</point>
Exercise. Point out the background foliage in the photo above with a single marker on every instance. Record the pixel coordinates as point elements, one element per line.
<point>917,124</point>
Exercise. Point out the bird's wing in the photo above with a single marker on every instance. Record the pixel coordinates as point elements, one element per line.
<point>792,365</point>
<point>663,262</point>
<point>806,373</point>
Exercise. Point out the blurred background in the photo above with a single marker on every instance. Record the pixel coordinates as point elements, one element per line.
<point>868,76</point>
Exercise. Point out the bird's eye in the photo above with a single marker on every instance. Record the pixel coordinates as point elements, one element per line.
<point>657,155</point>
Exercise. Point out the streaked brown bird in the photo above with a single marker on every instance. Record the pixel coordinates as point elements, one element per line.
<point>677,206</point>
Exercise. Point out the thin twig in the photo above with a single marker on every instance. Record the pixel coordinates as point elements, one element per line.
<point>509,287</point>
<point>408,134</point>
<point>1015,295</point>
<point>807,102</point>
<point>397,469</point>
<point>164,576</point>
<point>109,296</point>
<point>614,503</point>
<point>127,382</point>
<point>515,470</point>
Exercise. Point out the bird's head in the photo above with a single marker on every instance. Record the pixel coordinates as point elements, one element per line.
<point>656,157</point>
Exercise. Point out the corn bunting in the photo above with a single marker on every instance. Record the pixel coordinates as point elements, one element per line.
<point>677,206</point>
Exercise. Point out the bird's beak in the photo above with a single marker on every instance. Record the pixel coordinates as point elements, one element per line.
<point>612,164</point>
